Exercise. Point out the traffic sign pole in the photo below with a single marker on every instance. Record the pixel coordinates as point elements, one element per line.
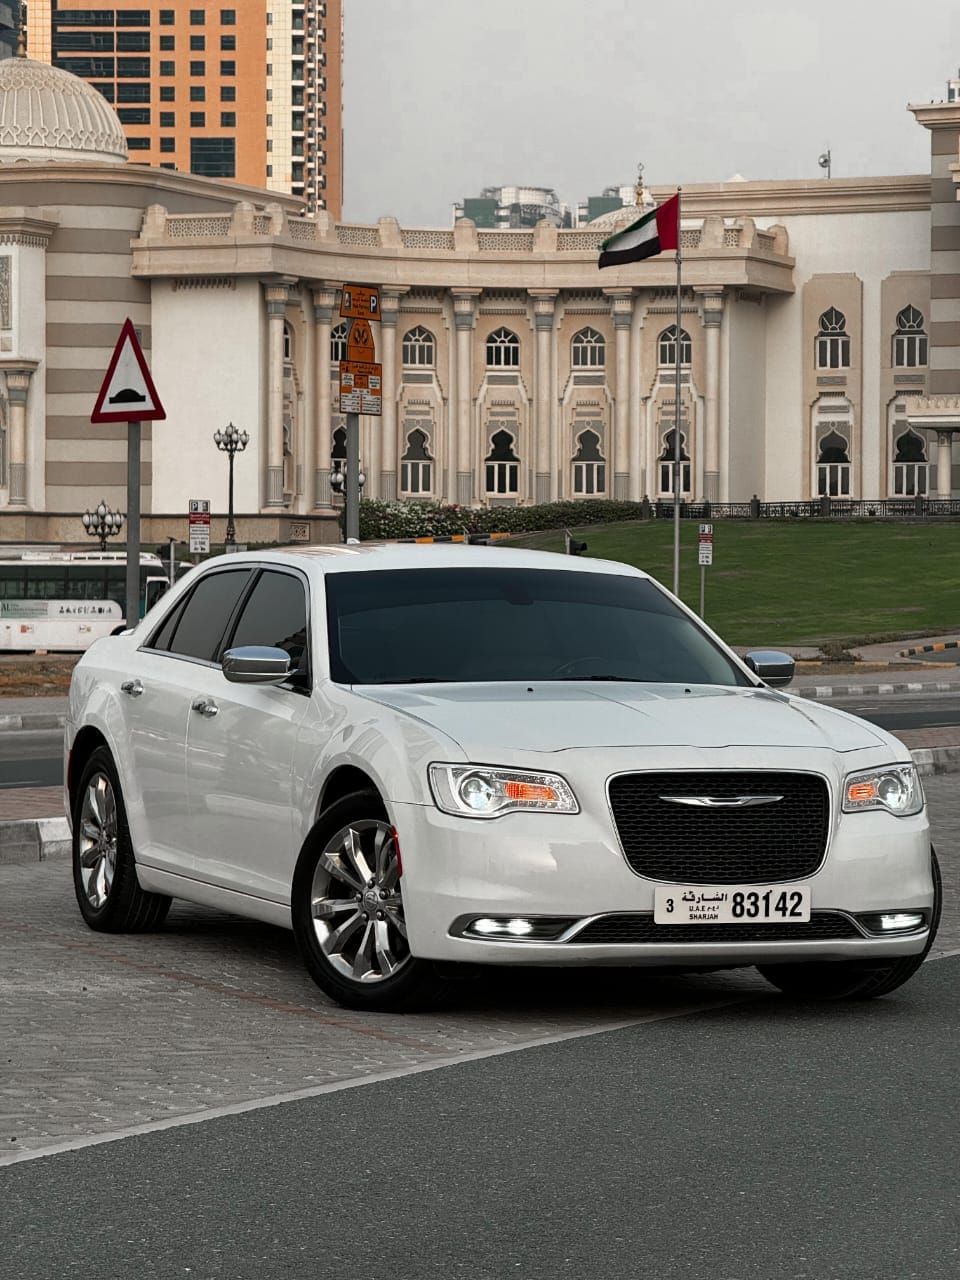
<point>705,557</point>
<point>127,384</point>
<point>361,390</point>
<point>133,523</point>
<point>351,511</point>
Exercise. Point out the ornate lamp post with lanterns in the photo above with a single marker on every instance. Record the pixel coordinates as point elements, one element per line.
<point>102,523</point>
<point>231,441</point>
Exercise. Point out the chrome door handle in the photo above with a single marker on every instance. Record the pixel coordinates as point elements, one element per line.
<point>206,706</point>
<point>133,687</point>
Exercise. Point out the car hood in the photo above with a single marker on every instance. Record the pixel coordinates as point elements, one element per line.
<point>486,719</point>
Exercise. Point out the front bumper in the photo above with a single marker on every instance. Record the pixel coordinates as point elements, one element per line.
<point>535,865</point>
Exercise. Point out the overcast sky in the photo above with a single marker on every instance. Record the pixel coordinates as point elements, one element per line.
<point>443,97</point>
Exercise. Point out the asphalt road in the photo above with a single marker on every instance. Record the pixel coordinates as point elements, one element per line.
<point>762,1140</point>
<point>35,757</point>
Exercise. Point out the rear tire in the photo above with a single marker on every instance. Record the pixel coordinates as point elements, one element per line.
<point>853,980</point>
<point>348,918</point>
<point>104,868</point>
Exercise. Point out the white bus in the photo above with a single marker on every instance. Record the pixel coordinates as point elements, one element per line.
<point>64,600</point>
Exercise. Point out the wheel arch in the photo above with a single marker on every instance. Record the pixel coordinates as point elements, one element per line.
<point>84,744</point>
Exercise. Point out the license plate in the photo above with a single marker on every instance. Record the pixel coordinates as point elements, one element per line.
<point>731,904</point>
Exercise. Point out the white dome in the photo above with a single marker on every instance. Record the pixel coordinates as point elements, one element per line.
<point>48,114</point>
<point>617,219</point>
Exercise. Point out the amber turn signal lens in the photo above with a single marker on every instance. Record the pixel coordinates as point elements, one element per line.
<point>861,792</point>
<point>530,793</point>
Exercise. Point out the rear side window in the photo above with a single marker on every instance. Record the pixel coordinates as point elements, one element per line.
<point>275,614</point>
<point>195,631</point>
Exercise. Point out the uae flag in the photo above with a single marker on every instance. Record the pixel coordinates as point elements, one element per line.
<point>653,233</point>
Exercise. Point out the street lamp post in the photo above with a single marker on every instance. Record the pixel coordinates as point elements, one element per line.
<point>338,483</point>
<point>102,523</point>
<point>231,442</point>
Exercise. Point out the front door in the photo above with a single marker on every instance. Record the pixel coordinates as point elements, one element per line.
<point>241,764</point>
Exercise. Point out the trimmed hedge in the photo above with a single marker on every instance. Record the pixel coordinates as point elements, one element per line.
<point>419,520</point>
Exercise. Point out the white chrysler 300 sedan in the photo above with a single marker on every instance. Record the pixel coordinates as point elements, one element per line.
<point>423,755</point>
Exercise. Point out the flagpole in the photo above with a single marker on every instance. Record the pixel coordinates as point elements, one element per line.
<point>677,453</point>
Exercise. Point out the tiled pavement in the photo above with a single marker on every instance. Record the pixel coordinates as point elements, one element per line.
<point>99,1032</point>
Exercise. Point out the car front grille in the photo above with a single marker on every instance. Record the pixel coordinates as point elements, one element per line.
<point>823,926</point>
<point>689,844</point>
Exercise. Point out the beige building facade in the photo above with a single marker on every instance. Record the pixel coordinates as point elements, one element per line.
<point>818,341</point>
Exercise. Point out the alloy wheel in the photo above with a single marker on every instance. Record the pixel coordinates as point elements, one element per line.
<point>356,905</point>
<point>98,839</point>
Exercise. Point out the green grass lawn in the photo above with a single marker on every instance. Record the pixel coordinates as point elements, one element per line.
<point>797,581</point>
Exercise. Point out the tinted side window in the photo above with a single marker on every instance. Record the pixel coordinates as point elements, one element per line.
<point>204,619</point>
<point>275,614</point>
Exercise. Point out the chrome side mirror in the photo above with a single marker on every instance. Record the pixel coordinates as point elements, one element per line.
<point>774,668</point>
<point>256,664</point>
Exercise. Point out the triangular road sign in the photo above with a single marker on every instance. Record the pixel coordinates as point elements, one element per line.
<point>128,393</point>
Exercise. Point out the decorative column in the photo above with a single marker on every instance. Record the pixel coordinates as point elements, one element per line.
<point>464,305</point>
<point>621,310</point>
<point>712,318</point>
<point>637,464</point>
<point>308,362</point>
<point>324,300</point>
<point>944,463</point>
<point>389,317</point>
<point>277,295</point>
<point>544,311</point>
<point>18,387</point>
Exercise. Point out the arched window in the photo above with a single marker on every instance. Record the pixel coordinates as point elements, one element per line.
<point>419,347</point>
<point>833,467</point>
<point>416,465</point>
<point>287,344</point>
<point>668,463</point>
<point>667,347</point>
<point>910,466</point>
<point>833,343</point>
<point>503,350</point>
<point>338,343</point>
<point>338,449</point>
<point>589,349</point>
<point>910,340</point>
<point>589,467</point>
<point>502,464</point>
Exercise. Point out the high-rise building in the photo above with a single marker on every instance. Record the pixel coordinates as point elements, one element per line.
<point>250,92</point>
<point>8,30</point>
<point>513,207</point>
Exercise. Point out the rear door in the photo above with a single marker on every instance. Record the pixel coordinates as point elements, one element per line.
<point>242,775</point>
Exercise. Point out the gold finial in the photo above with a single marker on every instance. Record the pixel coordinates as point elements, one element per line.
<point>22,37</point>
<point>638,190</point>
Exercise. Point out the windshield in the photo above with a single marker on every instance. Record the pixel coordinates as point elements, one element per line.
<point>410,626</point>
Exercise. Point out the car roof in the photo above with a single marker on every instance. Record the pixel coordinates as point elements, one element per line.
<point>338,558</point>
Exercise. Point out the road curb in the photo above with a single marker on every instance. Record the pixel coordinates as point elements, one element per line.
<point>827,691</point>
<point>37,720</point>
<point>27,840</point>
<point>941,646</point>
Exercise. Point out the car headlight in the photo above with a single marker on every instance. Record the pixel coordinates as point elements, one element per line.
<point>896,789</point>
<point>475,791</point>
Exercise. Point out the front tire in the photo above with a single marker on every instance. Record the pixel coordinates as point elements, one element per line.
<point>104,868</point>
<point>348,916</point>
<point>849,979</point>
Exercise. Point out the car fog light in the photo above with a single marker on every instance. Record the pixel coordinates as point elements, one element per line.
<point>894,921</point>
<point>902,920</point>
<point>516,928</point>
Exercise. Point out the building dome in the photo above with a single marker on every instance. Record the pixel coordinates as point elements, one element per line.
<point>48,114</point>
<point>617,219</point>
